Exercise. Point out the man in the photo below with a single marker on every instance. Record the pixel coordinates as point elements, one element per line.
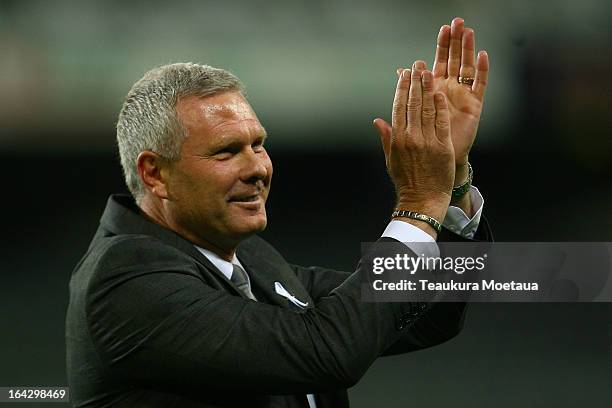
<point>178,304</point>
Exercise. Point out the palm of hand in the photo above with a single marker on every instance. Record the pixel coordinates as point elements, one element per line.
<point>465,108</point>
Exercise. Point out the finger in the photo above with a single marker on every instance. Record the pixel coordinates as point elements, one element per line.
<point>454,53</point>
<point>428,113</point>
<point>398,71</point>
<point>482,75</point>
<point>442,117</point>
<point>420,65</point>
<point>441,61</point>
<point>385,133</point>
<point>398,116</point>
<point>467,54</point>
<point>415,99</point>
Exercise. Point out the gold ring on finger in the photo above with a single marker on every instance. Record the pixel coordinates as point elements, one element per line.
<point>465,80</point>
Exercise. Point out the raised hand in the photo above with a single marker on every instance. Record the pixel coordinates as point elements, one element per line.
<point>418,147</point>
<point>455,59</point>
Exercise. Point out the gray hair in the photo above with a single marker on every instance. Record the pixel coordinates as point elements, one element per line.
<point>148,119</point>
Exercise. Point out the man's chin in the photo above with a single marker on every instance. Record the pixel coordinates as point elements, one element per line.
<point>260,225</point>
<point>247,218</point>
<point>252,224</point>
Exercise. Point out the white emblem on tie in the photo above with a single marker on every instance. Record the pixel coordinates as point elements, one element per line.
<point>283,292</point>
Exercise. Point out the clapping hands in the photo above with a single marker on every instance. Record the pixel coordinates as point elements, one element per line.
<point>455,61</point>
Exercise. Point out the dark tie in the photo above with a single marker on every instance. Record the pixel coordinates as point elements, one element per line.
<point>240,279</point>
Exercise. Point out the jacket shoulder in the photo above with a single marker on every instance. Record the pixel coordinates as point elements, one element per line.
<point>122,257</point>
<point>142,251</point>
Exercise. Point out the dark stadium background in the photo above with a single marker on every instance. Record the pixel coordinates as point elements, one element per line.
<point>317,73</point>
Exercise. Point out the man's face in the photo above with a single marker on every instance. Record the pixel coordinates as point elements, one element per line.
<point>219,186</point>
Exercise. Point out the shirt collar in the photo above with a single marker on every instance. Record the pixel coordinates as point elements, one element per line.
<point>226,268</point>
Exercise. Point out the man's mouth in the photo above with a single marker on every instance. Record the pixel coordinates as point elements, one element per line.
<point>245,199</point>
<point>253,202</point>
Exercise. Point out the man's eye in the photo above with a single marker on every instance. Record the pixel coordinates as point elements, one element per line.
<point>258,146</point>
<point>224,154</point>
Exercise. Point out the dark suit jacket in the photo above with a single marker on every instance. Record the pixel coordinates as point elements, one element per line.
<point>152,323</point>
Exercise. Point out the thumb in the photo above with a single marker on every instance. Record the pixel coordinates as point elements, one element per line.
<point>384,131</point>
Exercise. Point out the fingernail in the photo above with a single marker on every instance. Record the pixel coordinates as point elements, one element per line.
<point>406,74</point>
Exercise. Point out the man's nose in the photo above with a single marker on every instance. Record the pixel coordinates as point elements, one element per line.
<point>255,166</point>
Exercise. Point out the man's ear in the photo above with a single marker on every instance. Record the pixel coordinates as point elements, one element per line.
<point>153,171</point>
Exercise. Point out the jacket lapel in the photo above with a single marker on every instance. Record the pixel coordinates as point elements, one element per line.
<point>266,267</point>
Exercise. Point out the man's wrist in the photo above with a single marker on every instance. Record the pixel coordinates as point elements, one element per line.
<point>435,209</point>
<point>432,208</point>
<point>462,172</point>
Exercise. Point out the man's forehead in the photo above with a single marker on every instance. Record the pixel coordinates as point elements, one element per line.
<point>214,110</point>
